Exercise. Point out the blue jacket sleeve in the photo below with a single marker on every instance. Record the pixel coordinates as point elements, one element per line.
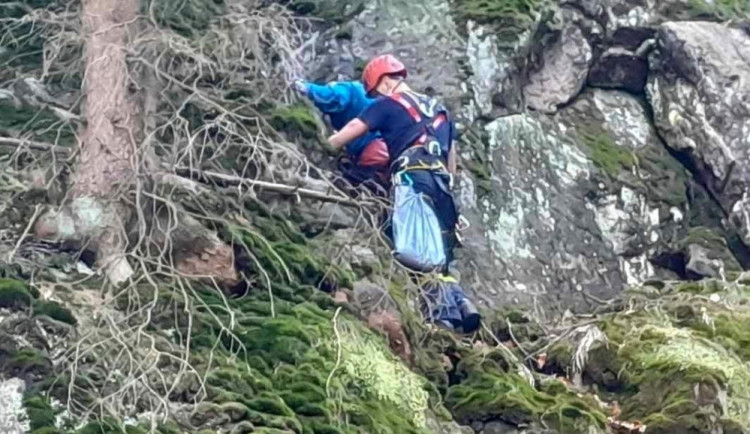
<point>330,98</point>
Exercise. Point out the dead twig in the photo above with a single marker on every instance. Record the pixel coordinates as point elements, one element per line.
<point>513,337</point>
<point>338,351</point>
<point>37,210</point>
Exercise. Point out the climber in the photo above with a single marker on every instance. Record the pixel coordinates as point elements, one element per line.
<point>419,135</point>
<point>367,156</point>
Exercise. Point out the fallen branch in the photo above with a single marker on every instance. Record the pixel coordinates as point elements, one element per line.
<point>35,146</point>
<point>284,189</point>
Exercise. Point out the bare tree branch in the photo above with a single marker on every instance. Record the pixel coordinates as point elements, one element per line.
<point>275,187</point>
<point>35,146</point>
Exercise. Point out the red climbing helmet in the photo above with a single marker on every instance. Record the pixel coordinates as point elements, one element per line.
<point>378,67</point>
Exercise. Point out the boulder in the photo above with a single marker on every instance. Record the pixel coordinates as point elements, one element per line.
<point>565,65</point>
<point>706,254</point>
<point>699,89</point>
<point>571,206</point>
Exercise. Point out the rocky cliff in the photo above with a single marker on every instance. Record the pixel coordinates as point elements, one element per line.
<point>603,168</point>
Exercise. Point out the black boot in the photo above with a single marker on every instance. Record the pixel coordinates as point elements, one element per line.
<point>470,316</point>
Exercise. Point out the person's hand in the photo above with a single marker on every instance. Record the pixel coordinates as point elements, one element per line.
<point>300,86</point>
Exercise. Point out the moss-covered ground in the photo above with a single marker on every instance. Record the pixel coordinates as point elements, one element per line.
<point>282,357</point>
<point>677,358</point>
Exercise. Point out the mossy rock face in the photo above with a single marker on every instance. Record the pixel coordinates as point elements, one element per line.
<point>14,294</point>
<point>720,9</point>
<point>273,371</point>
<point>40,413</point>
<point>508,17</point>
<point>297,121</point>
<point>677,359</point>
<point>713,243</point>
<point>284,253</point>
<point>509,397</point>
<point>604,152</point>
<point>55,311</point>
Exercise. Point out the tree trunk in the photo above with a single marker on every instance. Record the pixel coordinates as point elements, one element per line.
<point>108,144</point>
<point>97,215</point>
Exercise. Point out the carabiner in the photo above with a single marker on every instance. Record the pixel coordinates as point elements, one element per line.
<point>433,148</point>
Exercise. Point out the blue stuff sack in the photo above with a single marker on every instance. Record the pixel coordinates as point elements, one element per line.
<point>416,231</point>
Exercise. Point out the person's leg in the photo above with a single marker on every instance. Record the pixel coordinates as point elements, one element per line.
<point>439,306</point>
<point>426,182</point>
<point>470,318</point>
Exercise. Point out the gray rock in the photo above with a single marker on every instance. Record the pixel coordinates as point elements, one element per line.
<point>498,427</point>
<point>565,66</point>
<point>435,425</point>
<point>707,254</point>
<point>566,211</point>
<point>532,235</point>
<point>369,298</point>
<point>699,263</point>
<point>422,34</point>
<point>700,92</point>
<point>13,418</point>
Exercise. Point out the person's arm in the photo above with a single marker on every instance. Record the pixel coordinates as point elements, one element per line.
<point>370,119</point>
<point>452,160</point>
<point>351,131</point>
<point>329,98</point>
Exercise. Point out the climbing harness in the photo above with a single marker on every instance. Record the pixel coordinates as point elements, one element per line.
<point>428,116</point>
<point>426,153</point>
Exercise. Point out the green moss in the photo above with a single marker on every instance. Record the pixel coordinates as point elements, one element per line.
<point>296,120</point>
<point>39,412</point>
<point>508,396</point>
<point>664,178</point>
<point>282,252</point>
<point>274,372</point>
<point>55,311</point>
<point>508,17</point>
<point>661,360</point>
<point>14,294</point>
<point>106,426</point>
<point>604,152</point>
<point>369,365</point>
<point>28,361</point>
<point>720,9</point>
<point>47,430</point>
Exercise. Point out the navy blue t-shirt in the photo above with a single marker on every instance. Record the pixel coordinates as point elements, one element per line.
<point>394,124</point>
